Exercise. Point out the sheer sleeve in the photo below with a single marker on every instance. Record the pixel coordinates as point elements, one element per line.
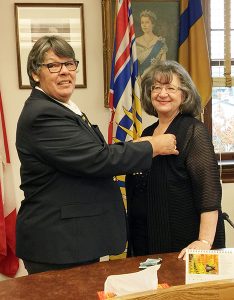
<point>203,169</point>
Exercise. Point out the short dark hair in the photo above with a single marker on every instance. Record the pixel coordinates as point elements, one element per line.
<point>165,71</point>
<point>37,54</point>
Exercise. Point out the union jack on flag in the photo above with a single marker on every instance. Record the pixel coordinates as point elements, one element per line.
<point>124,95</point>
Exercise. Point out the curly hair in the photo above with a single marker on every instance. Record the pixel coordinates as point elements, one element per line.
<point>163,72</point>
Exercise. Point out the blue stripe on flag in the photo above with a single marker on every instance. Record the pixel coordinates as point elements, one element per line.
<point>192,13</point>
<point>120,133</point>
<point>124,87</point>
<point>121,184</point>
<point>121,82</point>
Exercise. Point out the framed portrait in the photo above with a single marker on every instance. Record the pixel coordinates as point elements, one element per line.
<point>164,16</point>
<point>33,21</point>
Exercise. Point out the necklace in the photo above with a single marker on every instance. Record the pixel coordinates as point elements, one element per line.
<point>148,42</point>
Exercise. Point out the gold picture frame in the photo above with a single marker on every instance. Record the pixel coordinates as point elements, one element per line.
<point>33,20</point>
<point>167,12</point>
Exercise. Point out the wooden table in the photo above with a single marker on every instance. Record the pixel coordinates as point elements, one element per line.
<point>83,282</point>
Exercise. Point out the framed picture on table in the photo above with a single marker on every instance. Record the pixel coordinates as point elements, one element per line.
<point>33,21</point>
<point>164,15</point>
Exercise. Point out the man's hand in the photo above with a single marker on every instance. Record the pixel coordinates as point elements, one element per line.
<point>164,144</point>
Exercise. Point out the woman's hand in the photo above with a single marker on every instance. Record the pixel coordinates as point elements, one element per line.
<point>200,245</point>
<point>208,224</point>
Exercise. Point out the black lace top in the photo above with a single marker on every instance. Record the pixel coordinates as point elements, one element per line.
<point>166,202</point>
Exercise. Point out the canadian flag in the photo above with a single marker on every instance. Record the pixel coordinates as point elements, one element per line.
<point>9,263</point>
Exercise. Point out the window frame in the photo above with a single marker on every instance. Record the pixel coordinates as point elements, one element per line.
<point>225,160</point>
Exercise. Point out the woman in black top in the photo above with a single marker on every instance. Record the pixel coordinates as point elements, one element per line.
<point>177,203</point>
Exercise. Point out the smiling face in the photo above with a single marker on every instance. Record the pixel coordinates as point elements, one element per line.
<point>57,85</point>
<point>168,101</point>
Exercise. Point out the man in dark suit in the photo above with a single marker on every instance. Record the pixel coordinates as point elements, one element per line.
<point>73,211</point>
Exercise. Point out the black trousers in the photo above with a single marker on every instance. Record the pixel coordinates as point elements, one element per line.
<point>35,267</point>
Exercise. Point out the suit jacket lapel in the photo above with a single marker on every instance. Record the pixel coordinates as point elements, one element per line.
<point>93,129</point>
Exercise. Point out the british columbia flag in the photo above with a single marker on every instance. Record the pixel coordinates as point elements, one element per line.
<point>124,95</point>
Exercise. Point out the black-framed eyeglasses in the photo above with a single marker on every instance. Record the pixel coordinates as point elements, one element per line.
<point>55,67</point>
<point>169,88</point>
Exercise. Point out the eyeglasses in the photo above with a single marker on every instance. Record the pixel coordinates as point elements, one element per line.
<point>169,88</point>
<point>56,67</point>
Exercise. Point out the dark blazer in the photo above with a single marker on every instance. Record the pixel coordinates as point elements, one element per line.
<point>73,209</point>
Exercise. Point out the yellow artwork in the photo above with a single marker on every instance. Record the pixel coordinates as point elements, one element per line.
<point>203,264</point>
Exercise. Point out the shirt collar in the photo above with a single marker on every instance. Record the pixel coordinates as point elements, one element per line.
<point>70,104</point>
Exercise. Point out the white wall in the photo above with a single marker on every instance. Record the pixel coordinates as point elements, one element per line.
<point>89,99</point>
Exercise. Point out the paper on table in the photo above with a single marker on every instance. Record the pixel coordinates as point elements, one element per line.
<point>133,282</point>
<point>207,265</point>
